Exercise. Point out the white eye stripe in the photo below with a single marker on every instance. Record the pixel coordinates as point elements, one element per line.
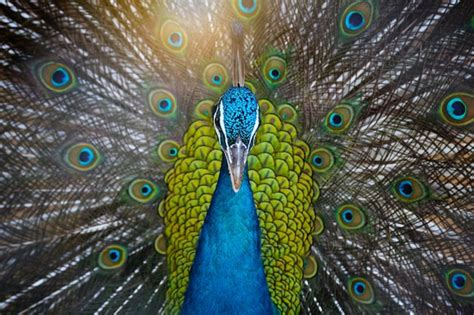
<point>221,123</point>
<point>215,126</point>
<point>255,126</point>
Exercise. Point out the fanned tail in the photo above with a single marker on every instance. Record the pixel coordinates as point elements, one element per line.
<point>96,98</point>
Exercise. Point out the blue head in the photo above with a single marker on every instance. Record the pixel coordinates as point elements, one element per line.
<point>236,120</point>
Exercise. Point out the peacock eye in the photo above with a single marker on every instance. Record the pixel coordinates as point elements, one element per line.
<point>361,290</point>
<point>174,37</point>
<point>57,77</point>
<point>322,160</point>
<point>356,18</point>
<point>162,103</point>
<point>215,76</point>
<point>274,70</point>
<point>82,157</point>
<point>60,77</point>
<point>458,109</point>
<point>405,188</point>
<point>459,282</point>
<point>160,244</point>
<point>350,217</point>
<point>409,189</point>
<point>168,150</point>
<point>143,190</point>
<point>310,267</point>
<point>204,109</point>
<point>246,9</point>
<point>112,257</point>
<point>335,120</point>
<point>274,74</point>
<point>339,119</point>
<point>217,79</point>
<point>287,113</point>
<point>266,107</point>
<point>317,160</point>
<point>319,225</point>
<point>86,156</point>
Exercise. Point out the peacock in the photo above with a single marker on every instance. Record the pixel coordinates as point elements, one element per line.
<point>237,157</point>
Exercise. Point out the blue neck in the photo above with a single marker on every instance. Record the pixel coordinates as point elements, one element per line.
<point>227,275</point>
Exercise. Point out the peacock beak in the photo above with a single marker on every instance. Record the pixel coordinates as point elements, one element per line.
<point>236,156</point>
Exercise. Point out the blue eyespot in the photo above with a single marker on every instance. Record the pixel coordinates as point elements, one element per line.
<point>317,160</point>
<point>173,152</point>
<point>146,190</point>
<point>347,216</point>
<point>359,288</point>
<point>86,156</point>
<point>60,77</point>
<point>354,20</point>
<point>175,39</point>
<point>248,6</point>
<point>165,105</point>
<point>335,120</point>
<point>456,108</point>
<point>274,73</point>
<point>143,190</point>
<point>405,188</point>
<point>217,79</point>
<point>114,255</point>
<point>458,281</point>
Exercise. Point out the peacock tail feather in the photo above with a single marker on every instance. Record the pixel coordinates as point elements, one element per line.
<point>361,170</point>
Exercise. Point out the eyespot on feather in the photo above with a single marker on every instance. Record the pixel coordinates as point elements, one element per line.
<point>319,226</point>
<point>339,119</point>
<point>360,290</point>
<point>459,282</point>
<point>457,109</point>
<point>350,217</point>
<point>57,77</point>
<point>246,9</point>
<point>143,190</point>
<point>203,109</point>
<point>112,257</point>
<point>162,102</point>
<point>215,77</point>
<point>409,189</point>
<point>160,244</point>
<point>356,18</point>
<point>287,113</point>
<point>274,71</point>
<point>173,37</point>
<point>266,107</point>
<point>322,160</point>
<point>168,151</point>
<point>310,267</point>
<point>82,157</point>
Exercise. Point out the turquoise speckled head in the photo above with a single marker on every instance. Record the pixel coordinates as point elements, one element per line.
<point>236,120</point>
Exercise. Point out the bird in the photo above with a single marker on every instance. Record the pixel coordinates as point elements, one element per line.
<point>237,157</point>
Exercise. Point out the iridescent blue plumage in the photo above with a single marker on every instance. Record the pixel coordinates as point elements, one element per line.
<point>227,275</point>
<point>240,114</point>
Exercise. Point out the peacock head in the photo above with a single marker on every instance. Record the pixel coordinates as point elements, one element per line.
<point>236,119</point>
